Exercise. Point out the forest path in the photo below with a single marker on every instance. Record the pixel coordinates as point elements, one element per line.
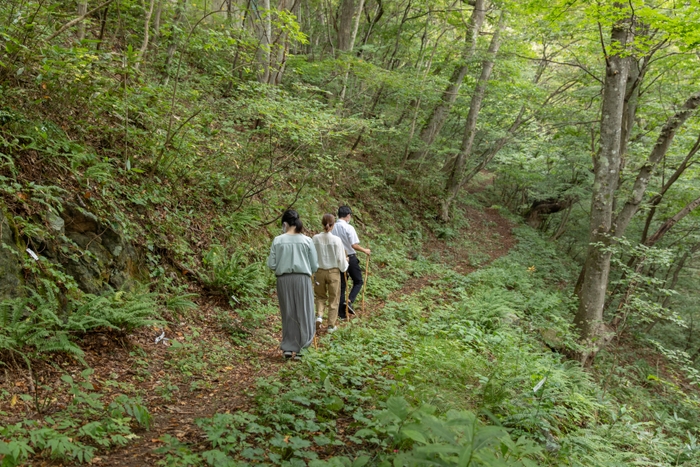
<point>232,387</point>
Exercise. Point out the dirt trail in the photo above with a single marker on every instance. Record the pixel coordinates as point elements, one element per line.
<point>177,418</point>
<point>231,388</point>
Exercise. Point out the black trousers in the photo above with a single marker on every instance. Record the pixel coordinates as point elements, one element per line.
<point>355,274</point>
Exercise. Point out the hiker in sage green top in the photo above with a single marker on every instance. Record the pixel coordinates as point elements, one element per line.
<point>293,258</point>
<point>332,262</point>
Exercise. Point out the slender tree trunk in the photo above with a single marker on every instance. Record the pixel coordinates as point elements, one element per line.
<point>424,73</point>
<point>491,152</point>
<point>175,35</point>
<point>377,15</point>
<point>391,63</point>
<point>455,167</point>
<point>632,88</point>
<point>562,225</point>
<point>74,21</point>
<point>589,318</point>
<point>156,23</point>
<point>103,25</point>
<point>356,27</point>
<point>265,42</point>
<point>146,30</point>
<point>439,114</point>
<point>234,66</point>
<point>674,281</point>
<point>281,44</point>
<point>327,12</point>
<point>671,221</point>
<point>663,142</point>
<point>659,196</point>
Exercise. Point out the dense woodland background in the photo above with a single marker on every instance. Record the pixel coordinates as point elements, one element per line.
<point>149,147</point>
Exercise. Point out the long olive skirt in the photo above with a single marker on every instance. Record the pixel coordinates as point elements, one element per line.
<point>296,297</point>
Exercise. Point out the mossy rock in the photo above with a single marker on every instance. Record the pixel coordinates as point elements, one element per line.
<point>11,278</point>
<point>109,261</point>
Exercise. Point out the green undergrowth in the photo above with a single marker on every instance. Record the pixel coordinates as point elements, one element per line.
<point>75,433</point>
<point>457,373</point>
<point>41,323</point>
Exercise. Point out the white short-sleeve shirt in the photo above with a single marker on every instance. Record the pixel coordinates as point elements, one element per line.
<point>347,235</point>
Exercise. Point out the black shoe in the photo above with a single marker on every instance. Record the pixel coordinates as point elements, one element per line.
<point>341,311</point>
<point>288,354</point>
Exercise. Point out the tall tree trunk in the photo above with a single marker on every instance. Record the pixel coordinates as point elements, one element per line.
<point>350,45</point>
<point>589,318</point>
<point>488,155</point>
<point>455,167</point>
<point>82,9</point>
<point>146,30</point>
<point>345,25</point>
<point>439,114</point>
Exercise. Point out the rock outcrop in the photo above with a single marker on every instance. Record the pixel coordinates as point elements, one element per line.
<point>108,260</point>
<point>89,249</point>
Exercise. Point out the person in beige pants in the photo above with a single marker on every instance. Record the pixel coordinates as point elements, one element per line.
<point>332,262</point>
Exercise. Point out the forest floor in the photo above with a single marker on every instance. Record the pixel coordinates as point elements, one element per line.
<point>233,388</point>
<point>206,374</point>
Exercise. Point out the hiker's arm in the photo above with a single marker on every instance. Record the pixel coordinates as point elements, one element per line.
<point>272,259</point>
<point>356,246</point>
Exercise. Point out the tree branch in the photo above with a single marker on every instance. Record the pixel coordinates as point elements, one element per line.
<point>75,21</point>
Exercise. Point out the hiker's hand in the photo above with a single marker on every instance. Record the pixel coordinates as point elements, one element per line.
<point>368,251</point>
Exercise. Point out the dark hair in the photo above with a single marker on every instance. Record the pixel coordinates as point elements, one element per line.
<point>343,211</point>
<point>328,221</point>
<point>291,218</point>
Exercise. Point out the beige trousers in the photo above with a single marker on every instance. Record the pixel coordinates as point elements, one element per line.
<point>327,287</point>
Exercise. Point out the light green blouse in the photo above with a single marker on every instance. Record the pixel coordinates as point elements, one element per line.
<point>292,254</point>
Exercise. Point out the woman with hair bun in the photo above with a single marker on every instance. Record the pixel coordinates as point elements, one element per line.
<point>331,263</point>
<point>293,259</point>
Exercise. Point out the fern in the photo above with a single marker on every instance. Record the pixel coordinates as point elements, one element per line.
<point>229,274</point>
<point>39,323</point>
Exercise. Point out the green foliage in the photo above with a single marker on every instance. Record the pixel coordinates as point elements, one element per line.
<point>474,342</point>
<point>228,273</point>
<point>43,323</point>
<point>75,434</point>
<point>194,357</point>
<point>458,438</point>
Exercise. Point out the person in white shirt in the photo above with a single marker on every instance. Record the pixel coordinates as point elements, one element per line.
<point>351,243</point>
<point>331,264</point>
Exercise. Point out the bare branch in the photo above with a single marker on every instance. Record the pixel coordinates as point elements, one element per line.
<point>75,21</point>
